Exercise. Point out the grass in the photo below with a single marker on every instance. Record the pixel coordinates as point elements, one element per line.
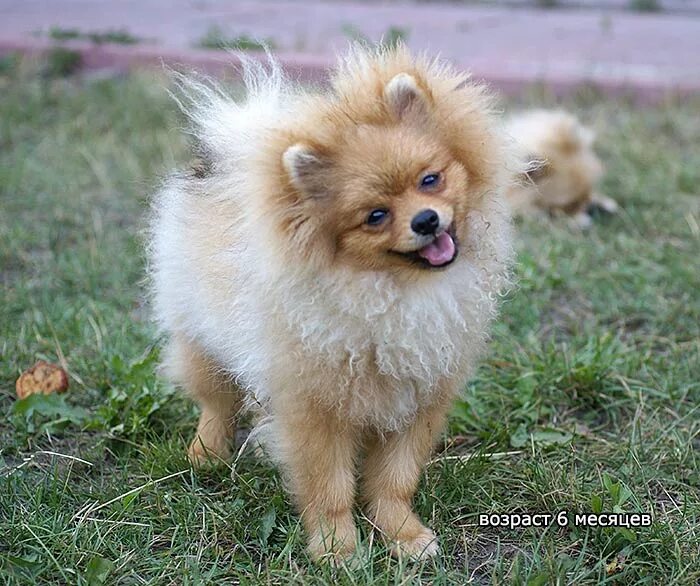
<point>215,38</point>
<point>117,36</point>
<point>588,401</point>
<point>392,37</point>
<point>646,5</point>
<point>61,62</point>
<point>547,3</point>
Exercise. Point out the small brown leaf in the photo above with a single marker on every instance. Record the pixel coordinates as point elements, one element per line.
<point>42,378</point>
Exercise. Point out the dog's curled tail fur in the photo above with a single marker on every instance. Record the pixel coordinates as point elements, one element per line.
<point>227,129</point>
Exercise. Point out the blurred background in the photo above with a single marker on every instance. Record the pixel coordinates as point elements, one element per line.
<point>645,47</point>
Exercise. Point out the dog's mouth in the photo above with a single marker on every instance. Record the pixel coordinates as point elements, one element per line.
<point>439,253</point>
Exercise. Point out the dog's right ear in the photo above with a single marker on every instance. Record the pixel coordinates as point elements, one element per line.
<point>305,168</point>
<point>403,95</point>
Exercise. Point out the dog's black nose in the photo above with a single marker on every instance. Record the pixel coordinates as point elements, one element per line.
<point>425,222</point>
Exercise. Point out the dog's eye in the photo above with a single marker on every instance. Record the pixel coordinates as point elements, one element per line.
<point>430,181</point>
<point>377,217</point>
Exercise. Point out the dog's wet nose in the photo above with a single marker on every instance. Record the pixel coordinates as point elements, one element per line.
<point>425,222</point>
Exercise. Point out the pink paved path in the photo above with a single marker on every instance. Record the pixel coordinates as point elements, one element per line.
<point>646,54</point>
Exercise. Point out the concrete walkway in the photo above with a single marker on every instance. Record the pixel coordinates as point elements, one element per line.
<point>646,55</point>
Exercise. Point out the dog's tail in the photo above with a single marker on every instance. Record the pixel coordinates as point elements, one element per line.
<point>227,126</point>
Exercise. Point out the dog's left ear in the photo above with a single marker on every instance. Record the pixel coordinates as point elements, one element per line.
<point>305,168</point>
<point>403,96</point>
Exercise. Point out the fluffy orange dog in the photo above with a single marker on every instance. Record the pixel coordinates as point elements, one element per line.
<point>336,261</point>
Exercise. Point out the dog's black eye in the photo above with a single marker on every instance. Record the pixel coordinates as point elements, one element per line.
<point>430,181</point>
<point>377,217</point>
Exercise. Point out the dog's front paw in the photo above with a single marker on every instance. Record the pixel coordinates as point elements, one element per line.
<point>344,557</point>
<point>421,546</point>
<point>334,545</point>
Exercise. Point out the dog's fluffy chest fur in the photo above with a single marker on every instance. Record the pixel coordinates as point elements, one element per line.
<point>377,351</point>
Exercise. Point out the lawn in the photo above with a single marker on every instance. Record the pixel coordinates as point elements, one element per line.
<point>587,403</point>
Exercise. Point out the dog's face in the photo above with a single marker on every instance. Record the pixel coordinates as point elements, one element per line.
<point>398,197</point>
<point>389,196</point>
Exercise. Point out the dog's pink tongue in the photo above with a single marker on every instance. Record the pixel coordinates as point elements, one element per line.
<point>439,251</point>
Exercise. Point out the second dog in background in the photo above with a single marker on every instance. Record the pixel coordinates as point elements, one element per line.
<point>563,170</point>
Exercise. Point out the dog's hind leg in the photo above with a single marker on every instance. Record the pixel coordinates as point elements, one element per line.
<point>218,396</point>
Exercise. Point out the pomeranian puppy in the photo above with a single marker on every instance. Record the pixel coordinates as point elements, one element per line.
<point>563,169</point>
<point>335,260</point>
